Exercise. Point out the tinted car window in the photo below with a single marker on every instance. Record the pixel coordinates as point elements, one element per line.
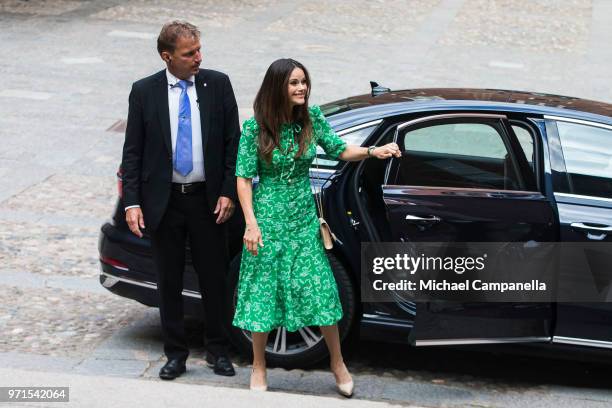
<point>463,155</point>
<point>588,158</point>
<point>353,138</point>
<point>526,141</point>
<point>474,139</point>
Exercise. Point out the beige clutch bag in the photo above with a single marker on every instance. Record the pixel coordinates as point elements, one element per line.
<point>327,235</point>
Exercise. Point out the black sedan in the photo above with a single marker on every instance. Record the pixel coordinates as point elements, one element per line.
<point>466,152</point>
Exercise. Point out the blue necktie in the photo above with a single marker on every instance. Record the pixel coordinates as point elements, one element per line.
<point>183,160</point>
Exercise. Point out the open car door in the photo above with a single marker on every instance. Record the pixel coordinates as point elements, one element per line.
<point>464,177</point>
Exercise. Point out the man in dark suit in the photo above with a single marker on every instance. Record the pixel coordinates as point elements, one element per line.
<point>178,167</point>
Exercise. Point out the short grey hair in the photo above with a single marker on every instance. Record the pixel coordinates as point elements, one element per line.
<point>170,33</point>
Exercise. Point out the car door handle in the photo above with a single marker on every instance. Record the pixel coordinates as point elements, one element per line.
<point>591,229</point>
<point>431,218</point>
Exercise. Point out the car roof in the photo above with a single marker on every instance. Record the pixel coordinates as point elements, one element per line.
<point>364,108</point>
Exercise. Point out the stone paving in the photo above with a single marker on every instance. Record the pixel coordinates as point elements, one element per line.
<point>544,26</point>
<point>56,195</point>
<point>49,249</point>
<point>59,322</point>
<point>41,8</point>
<point>204,13</point>
<point>374,20</point>
<point>67,74</point>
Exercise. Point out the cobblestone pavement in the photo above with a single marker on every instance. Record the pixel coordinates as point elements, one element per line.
<point>49,249</point>
<point>544,26</point>
<point>67,71</point>
<point>51,196</point>
<point>59,322</point>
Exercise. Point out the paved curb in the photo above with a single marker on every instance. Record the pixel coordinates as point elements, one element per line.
<point>103,392</point>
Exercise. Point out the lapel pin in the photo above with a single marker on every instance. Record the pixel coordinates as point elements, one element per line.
<point>204,83</point>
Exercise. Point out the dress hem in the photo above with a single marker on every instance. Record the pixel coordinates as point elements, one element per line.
<point>249,327</point>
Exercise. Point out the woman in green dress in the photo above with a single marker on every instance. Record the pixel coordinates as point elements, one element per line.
<point>285,277</point>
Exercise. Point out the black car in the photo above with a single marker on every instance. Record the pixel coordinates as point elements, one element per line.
<point>470,153</point>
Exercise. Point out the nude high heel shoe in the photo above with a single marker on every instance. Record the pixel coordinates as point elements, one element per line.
<point>346,389</point>
<point>258,387</point>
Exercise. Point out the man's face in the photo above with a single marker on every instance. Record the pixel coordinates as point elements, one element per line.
<point>186,59</point>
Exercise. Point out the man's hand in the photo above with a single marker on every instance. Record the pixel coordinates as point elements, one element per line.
<point>224,209</point>
<point>135,220</point>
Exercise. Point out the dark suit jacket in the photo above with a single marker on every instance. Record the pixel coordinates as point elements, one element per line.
<point>147,151</point>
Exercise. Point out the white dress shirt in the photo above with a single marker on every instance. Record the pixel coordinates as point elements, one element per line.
<point>174,94</point>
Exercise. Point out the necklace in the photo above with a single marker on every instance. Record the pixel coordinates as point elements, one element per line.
<point>295,128</point>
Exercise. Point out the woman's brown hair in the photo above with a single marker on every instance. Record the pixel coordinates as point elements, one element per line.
<point>271,108</point>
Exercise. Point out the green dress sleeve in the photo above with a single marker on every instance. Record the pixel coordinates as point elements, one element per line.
<point>325,135</point>
<point>247,160</point>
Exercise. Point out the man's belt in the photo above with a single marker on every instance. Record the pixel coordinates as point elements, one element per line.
<point>188,188</point>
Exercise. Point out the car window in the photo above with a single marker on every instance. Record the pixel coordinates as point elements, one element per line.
<point>588,158</point>
<point>475,139</point>
<point>525,139</point>
<point>353,138</point>
<point>461,155</point>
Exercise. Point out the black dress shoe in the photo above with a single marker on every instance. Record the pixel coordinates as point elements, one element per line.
<point>172,369</point>
<point>221,365</point>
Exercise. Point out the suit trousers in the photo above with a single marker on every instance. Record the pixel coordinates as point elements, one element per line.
<point>188,218</point>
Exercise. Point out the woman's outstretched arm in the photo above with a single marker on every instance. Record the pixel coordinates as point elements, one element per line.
<point>357,153</point>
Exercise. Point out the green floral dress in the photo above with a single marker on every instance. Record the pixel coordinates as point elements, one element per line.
<point>290,282</point>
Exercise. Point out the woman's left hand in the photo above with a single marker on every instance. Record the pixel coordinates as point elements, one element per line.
<point>386,151</point>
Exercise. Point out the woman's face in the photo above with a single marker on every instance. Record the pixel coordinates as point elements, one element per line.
<point>297,88</point>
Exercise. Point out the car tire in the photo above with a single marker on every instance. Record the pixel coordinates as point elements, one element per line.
<point>298,353</point>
